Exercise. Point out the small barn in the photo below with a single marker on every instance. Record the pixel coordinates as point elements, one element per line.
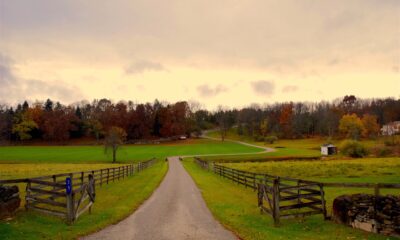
<point>328,149</point>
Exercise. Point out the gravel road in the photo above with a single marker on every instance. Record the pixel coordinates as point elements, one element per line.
<point>176,210</point>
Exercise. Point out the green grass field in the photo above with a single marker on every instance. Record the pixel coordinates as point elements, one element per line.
<point>113,203</point>
<point>236,208</point>
<point>129,153</point>
<point>308,147</point>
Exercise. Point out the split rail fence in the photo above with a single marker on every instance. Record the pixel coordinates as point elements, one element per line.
<point>284,197</point>
<point>69,195</point>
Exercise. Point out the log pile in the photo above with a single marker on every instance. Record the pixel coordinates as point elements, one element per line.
<point>9,201</point>
<point>379,214</point>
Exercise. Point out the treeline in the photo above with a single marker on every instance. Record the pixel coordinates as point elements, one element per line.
<point>56,122</point>
<point>53,121</point>
<point>348,117</point>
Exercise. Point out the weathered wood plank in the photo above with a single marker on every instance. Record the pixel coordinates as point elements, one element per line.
<point>49,192</point>
<point>46,201</point>
<point>48,211</point>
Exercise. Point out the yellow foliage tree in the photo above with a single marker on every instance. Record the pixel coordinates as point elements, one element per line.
<point>371,126</point>
<point>351,126</point>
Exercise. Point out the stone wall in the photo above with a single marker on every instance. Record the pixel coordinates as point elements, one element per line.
<point>9,201</point>
<point>379,214</point>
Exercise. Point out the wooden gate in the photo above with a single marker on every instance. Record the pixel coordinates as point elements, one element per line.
<point>86,195</point>
<point>288,198</point>
<point>58,197</point>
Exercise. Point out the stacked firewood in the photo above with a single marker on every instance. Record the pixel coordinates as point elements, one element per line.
<point>376,214</point>
<point>9,201</point>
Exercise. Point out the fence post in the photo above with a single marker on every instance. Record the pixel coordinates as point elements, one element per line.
<point>28,194</point>
<point>101,177</point>
<point>276,195</point>
<point>260,195</point>
<point>70,203</point>
<point>298,191</point>
<point>113,174</point>
<point>54,188</point>
<point>82,174</point>
<point>108,174</point>
<point>323,203</point>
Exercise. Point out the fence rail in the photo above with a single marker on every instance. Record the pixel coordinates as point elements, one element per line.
<point>285,197</point>
<point>69,195</point>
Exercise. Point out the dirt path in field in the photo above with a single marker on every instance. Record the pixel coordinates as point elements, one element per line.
<point>265,149</point>
<point>175,211</point>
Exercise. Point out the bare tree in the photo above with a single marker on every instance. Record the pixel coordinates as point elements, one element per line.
<point>224,121</point>
<point>115,138</point>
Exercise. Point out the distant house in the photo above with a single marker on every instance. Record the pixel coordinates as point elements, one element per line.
<point>328,149</point>
<point>391,128</point>
<point>182,138</point>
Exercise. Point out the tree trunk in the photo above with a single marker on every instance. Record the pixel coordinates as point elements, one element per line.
<point>114,154</point>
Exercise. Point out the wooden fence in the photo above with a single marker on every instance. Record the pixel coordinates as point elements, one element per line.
<point>284,197</point>
<point>68,195</point>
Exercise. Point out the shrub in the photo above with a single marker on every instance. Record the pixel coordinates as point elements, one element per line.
<point>382,151</point>
<point>391,142</point>
<point>258,138</point>
<point>271,139</point>
<point>353,148</point>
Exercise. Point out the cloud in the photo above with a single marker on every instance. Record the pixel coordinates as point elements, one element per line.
<point>263,87</point>
<point>207,91</point>
<point>144,66</point>
<point>290,88</point>
<point>14,88</point>
<point>6,75</point>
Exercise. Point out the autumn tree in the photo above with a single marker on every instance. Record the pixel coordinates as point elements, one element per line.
<point>351,126</point>
<point>223,121</point>
<point>58,123</point>
<point>95,128</point>
<point>116,136</point>
<point>264,127</point>
<point>23,126</point>
<point>285,119</point>
<point>371,126</point>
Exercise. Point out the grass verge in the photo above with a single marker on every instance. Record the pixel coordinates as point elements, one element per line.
<point>113,203</point>
<point>236,208</point>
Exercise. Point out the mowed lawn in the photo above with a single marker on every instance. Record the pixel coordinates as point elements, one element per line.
<point>236,208</point>
<point>128,153</point>
<point>113,203</point>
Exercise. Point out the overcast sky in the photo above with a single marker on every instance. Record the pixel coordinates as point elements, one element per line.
<point>224,52</point>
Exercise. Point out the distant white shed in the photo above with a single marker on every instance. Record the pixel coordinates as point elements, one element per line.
<point>328,149</point>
